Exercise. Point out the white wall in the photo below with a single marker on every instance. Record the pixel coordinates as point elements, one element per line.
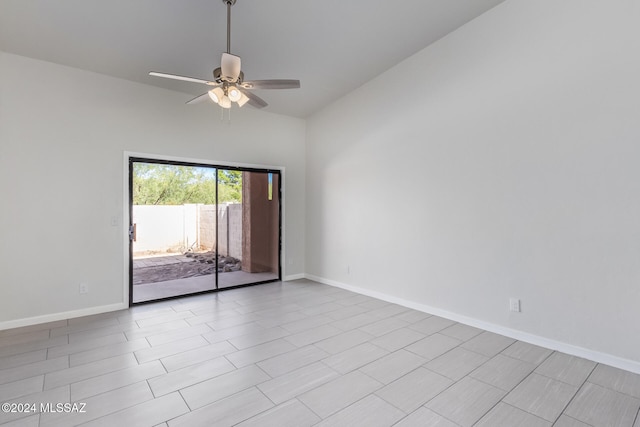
<point>63,134</point>
<point>164,228</point>
<point>511,151</point>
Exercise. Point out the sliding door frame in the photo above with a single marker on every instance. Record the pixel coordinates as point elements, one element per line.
<point>131,158</point>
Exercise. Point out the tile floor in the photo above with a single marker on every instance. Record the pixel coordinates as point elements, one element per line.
<point>298,354</point>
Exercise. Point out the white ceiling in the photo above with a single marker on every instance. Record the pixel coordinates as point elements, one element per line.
<point>332,46</point>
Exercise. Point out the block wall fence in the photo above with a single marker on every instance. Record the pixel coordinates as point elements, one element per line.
<point>171,229</point>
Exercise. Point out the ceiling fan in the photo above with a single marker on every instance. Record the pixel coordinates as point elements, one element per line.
<point>228,84</point>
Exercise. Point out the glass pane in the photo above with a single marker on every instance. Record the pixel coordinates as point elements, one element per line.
<point>250,231</point>
<point>173,251</point>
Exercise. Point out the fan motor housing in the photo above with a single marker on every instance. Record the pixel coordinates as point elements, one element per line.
<point>217,77</point>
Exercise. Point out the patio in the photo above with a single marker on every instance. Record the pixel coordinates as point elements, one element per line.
<point>151,267</point>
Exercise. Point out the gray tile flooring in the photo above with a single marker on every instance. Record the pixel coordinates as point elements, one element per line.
<point>298,354</point>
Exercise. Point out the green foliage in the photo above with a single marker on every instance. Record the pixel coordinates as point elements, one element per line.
<point>158,184</point>
<point>229,186</point>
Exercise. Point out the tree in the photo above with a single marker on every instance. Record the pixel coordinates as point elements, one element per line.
<point>229,186</point>
<point>160,184</point>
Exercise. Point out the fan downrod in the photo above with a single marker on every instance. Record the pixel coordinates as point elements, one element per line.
<point>229,3</point>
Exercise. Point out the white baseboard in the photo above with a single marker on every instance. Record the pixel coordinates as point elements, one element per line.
<point>28,321</point>
<point>596,356</point>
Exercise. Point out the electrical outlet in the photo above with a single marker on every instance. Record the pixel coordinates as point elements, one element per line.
<point>514,305</point>
<point>83,288</point>
<point>290,261</point>
<point>348,269</point>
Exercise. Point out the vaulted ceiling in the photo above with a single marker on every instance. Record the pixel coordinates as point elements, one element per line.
<point>332,46</point>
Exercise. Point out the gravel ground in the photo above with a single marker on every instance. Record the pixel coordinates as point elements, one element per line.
<point>180,270</point>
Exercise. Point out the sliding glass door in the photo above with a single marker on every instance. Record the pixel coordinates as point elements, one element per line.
<point>250,231</point>
<point>199,228</point>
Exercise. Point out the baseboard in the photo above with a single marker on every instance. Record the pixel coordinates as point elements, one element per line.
<point>36,320</point>
<point>28,321</point>
<point>596,356</point>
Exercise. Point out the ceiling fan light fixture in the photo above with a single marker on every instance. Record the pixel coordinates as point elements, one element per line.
<point>228,84</point>
<point>225,102</point>
<point>234,94</point>
<point>243,99</point>
<point>216,95</point>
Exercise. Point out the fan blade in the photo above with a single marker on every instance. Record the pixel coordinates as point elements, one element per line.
<point>254,100</point>
<point>183,78</point>
<point>199,98</point>
<point>230,65</point>
<point>271,84</point>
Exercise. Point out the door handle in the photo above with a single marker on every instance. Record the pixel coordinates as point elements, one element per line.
<point>132,233</point>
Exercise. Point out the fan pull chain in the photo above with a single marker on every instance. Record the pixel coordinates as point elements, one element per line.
<point>228,115</point>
